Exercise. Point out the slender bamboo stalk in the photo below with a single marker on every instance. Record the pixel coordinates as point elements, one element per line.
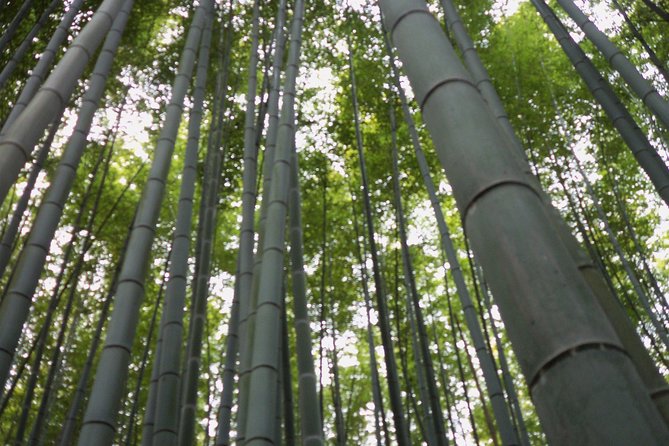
<point>639,85</point>
<point>652,55</point>
<point>20,133</point>
<point>435,405</point>
<point>514,238</point>
<point>310,416</point>
<point>286,378</point>
<point>246,233</point>
<point>167,410</point>
<point>262,393</point>
<point>401,431</point>
<point>26,43</point>
<point>643,151</point>
<point>14,24</point>
<point>15,307</point>
<point>99,421</point>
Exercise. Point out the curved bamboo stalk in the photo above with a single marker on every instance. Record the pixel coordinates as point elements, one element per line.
<point>20,135</point>
<point>100,419</point>
<point>262,392</point>
<point>619,62</point>
<point>16,305</point>
<point>561,331</point>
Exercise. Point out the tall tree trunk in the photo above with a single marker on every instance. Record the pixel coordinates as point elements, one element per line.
<point>100,419</point>
<point>401,431</point>
<point>499,209</point>
<point>15,307</point>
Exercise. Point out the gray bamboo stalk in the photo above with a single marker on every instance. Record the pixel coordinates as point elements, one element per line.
<point>401,430</point>
<point>287,378</point>
<point>340,435</point>
<point>9,236</point>
<point>427,365</point>
<point>14,24</point>
<point>16,305</point>
<point>103,405</point>
<point>507,378</point>
<point>207,228</point>
<point>167,410</point>
<point>233,342</point>
<point>643,151</point>
<point>246,233</point>
<point>265,364</point>
<point>41,69</point>
<point>639,85</point>
<point>149,419</point>
<point>20,135</point>
<point>652,55</point>
<point>493,385</point>
<point>308,405</point>
<point>26,43</point>
<point>377,395</point>
<point>561,332</point>
<point>657,9</point>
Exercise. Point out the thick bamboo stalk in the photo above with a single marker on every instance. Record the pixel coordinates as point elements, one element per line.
<point>167,410</point>
<point>262,392</point>
<point>583,384</point>
<point>103,406</point>
<point>16,305</point>
<point>639,85</point>
<point>308,405</point>
<point>493,385</point>
<point>22,133</point>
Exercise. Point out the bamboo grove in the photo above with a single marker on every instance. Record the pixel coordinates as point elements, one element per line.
<point>334,222</point>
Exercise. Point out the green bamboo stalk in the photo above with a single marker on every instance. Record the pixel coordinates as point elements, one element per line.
<point>103,405</point>
<point>561,332</point>
<point>308,404</point>
<point>246,233</point>
<point>261,391</point>
<point>16,305</point>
